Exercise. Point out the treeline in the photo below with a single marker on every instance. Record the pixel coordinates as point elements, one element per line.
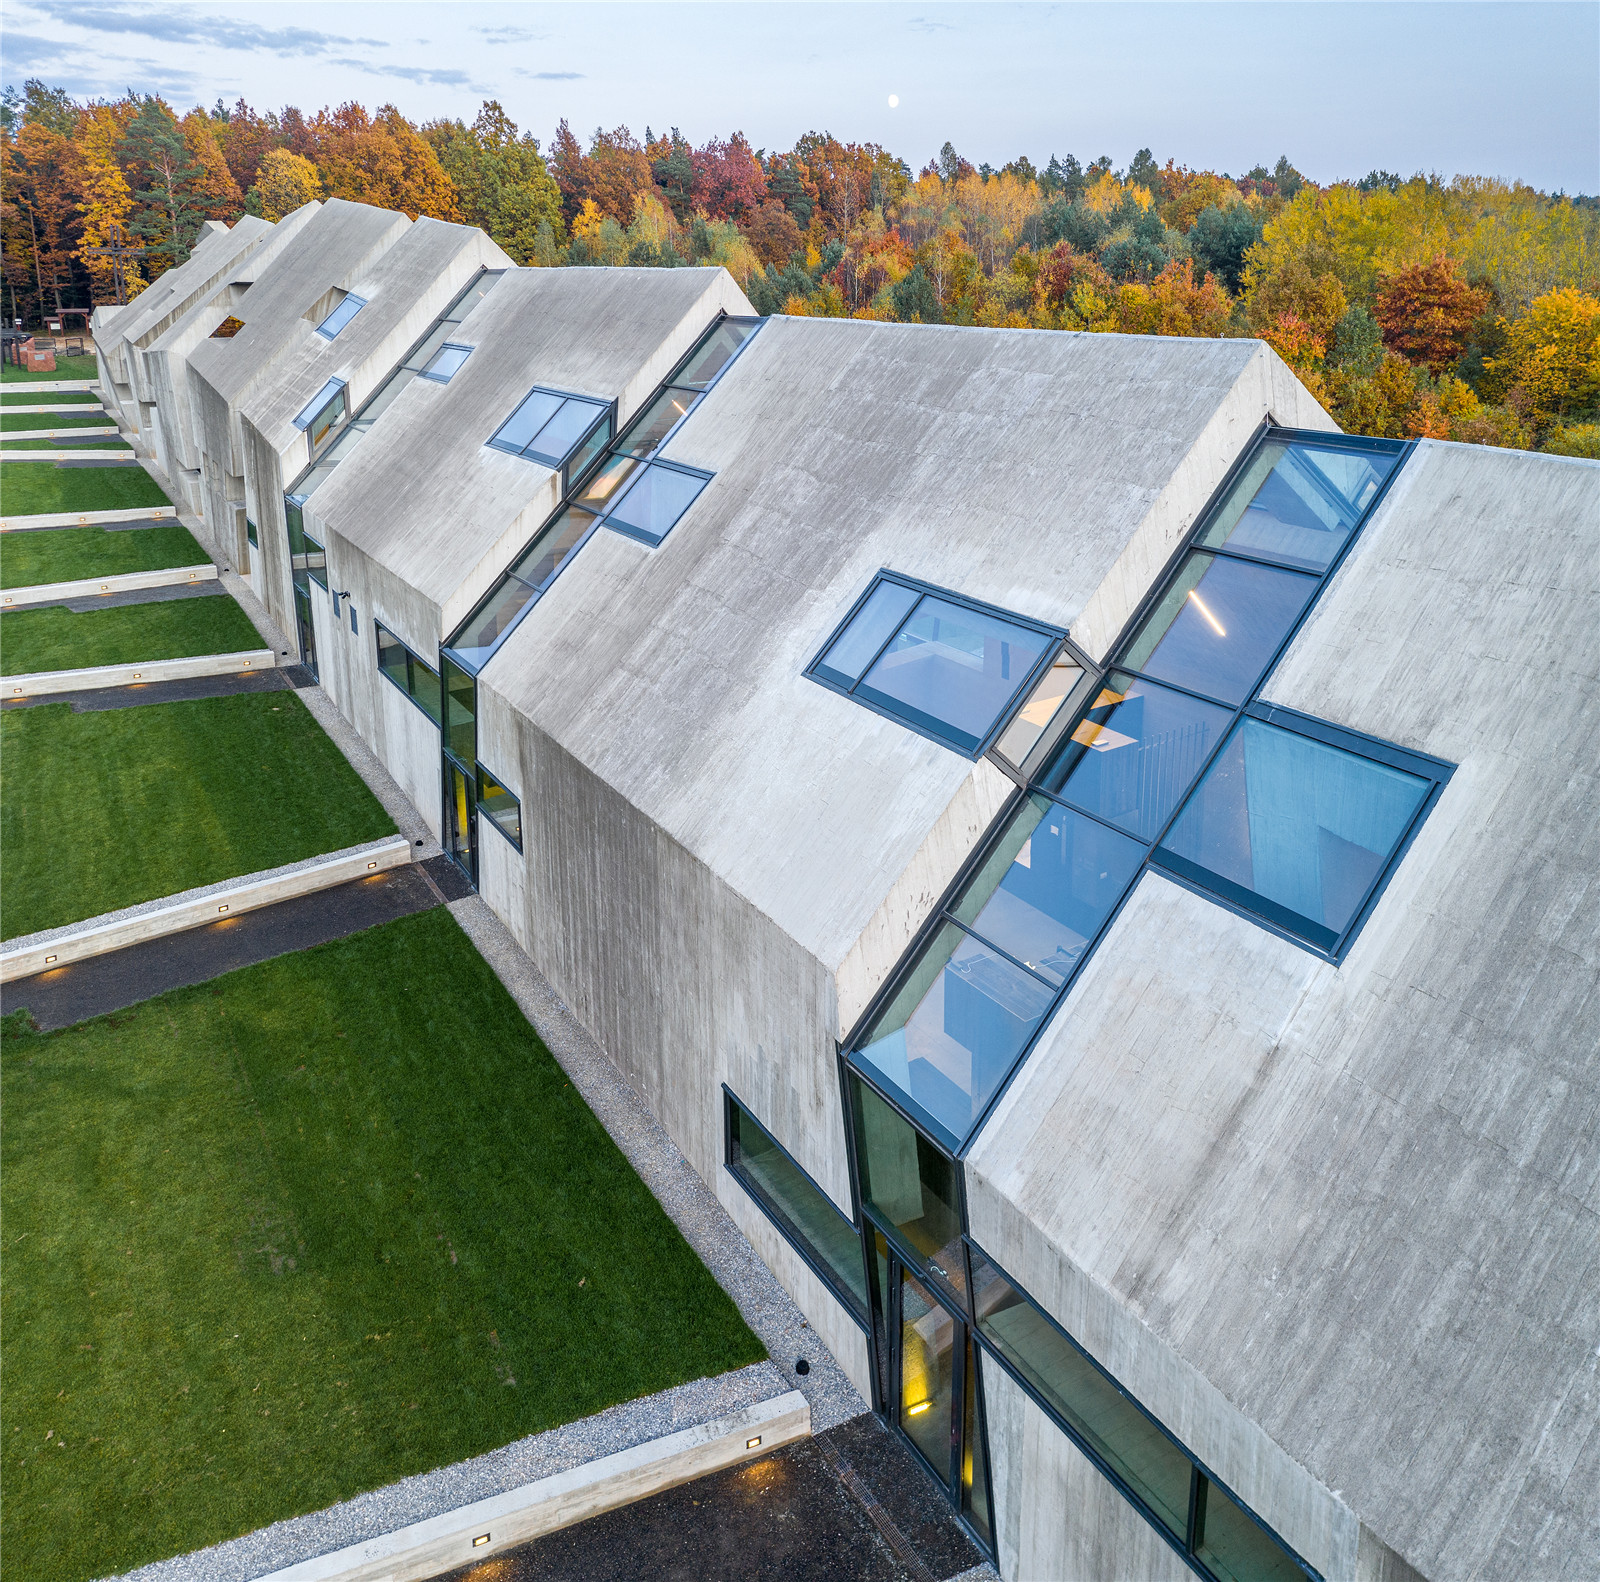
<point>1467,310</point>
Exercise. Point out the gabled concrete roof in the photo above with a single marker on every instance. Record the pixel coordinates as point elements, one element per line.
<point>336,245</point>
<point>218,249</point>
<point>1047,473</point>
<point>424,497</point>
<point>406,286</point>
<point>1364,1201</point>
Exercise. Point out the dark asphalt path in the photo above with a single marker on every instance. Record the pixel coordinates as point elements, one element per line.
<point>798,1515</point>
<point>277,680</point>
<point>112,982</point>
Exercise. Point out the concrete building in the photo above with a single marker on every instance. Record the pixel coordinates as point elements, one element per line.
<point>1095,867</point>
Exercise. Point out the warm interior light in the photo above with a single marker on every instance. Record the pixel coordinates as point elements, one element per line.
<point>750,1444</point>
<point>1199,604</point>
<point>480,1540</point>
<point>921,1406</point>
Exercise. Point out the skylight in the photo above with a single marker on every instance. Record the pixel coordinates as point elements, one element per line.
<point>341,315</point>
<point>549,425</point>
<point>447,362</point>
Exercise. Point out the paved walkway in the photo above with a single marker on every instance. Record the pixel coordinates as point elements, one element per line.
<point>848,1503</point>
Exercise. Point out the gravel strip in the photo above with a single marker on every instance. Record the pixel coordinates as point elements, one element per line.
<point>767,1308</point>
<point>429,1494</point>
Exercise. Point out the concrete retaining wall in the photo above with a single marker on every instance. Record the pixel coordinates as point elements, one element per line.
<point>143,513</point>
<point>124,582</point>
<point>193,909</point>
<point>489,1527</point>
<point>64,455</point>
<point>42,683</point>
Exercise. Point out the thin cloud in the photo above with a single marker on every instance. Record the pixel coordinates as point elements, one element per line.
<point>509,35</point>
<point>923,24</point>
<point>436,76</point>
<point>27,49</point>
<point>181,25</point>
<point>548,76</point>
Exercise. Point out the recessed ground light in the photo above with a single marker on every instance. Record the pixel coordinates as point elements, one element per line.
<point>16,691</point>
<point>247,664</point>
<point>48,960</point>
<point>750,1444</point>
<point>8,601</point>
<point>105,587</point>
<point>223,907</point>
<point>802,1367</point>
<point>372,865</point>
<point>480,1540</point>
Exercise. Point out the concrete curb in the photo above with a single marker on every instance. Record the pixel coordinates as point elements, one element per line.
<point>65,455</point>
<point>124,582</point>
<point>488,1527</point>
<point>143,513</point>
<point>96,936</point>
<point>84,407</point>
<point>47,385</point>
<point>43,683</point>
<point>12,435</point>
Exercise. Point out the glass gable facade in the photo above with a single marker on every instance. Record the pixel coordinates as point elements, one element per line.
<point>945,666</point>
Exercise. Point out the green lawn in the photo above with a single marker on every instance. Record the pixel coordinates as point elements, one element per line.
<point>107,809</point>
<point>23,422</point>
<point>102,442</point>
<point>26,397</point>
<point>63,554</point>
<point>58,639</point>
<point>32,491</point>
<point>67,369</point>
<point>320,1224</point>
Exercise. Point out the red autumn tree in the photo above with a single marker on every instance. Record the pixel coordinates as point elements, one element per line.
<point>772,232</point>
<point>1426,310</point>
<point>729,183</point>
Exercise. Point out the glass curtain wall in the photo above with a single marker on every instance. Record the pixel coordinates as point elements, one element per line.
<point>1164,760</point>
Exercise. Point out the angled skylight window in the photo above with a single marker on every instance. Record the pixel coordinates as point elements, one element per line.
<point>324,412</point>
<point>658,496</point>
<point>446,362</point>
<point>946,666</point>
<point>549,425</point>
<point>341,315</point>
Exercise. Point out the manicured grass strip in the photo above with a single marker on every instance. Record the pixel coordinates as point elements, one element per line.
<point>102,442</point>
<point>22,422</point>
<point>63,554</point>
<point>67,368</point>
<point>57,639</point>
<point>9,398</point>
<point>105,810</point>
<point>318,1225</point>
<point>33,491</point>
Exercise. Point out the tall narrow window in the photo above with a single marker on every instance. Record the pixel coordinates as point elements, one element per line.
<point>500,807</point>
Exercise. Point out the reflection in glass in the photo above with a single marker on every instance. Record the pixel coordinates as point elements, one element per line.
<point>1031,721</point>
<point>1048,885</point>
<point>446,363</point>
<point>950,1037</point>
<point>341,316</point>
<point>1219,625</point>
<point>565,428</point>
<point>601,489</point>
<point>870,628</point>
<point>327,419</point>
<point>712,355</point>
<point>393,659</point>
<point>461,708</point>
<point>927,1374</point>
<point>1297,502</point>
<point>423,355</point>
<point>1108,1422</point>
<point>537,408</point>
<point>645,432</point>
<point>482,284</point>
<point>1293,828</point>
<point>974,1471</point>
<point>459,808</point>
<point>1135,753</point>
<point>804,1211</point>
<point>588,450</point>
<point>316,561</point>
<point>905,1180</point>
<point>1234,1546</point>
<point>503,810</point>
<point>953,669</point>
<point>657,499</point>
<point>387,395</point>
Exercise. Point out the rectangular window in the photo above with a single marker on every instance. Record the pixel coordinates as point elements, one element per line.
<point>460,693</point>
<point>251,534</point>
<point>656,499</point>
<point>799,1208</point>
<point>907,1183</point>
<point>1144,1461</point>
<point>341,315</point>
<point>323,413</point>
<point>446,362</point>
<point>549,425</point>
<point>1299,828</point>
<point>944,666</point>
<point>501,808</point>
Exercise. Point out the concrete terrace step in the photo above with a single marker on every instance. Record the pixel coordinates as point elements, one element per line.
<point>123,582</point>
<point>71,409</point>
<point>96,936</point>
<point>44,386</point>
<point>144,513</point>
<point>12,435</point>
<point>43,683</point>
<point>62,455</point>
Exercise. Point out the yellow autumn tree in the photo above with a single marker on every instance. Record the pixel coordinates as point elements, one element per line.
<point>1551,365</point>
<point>284,183</point>
<point>107,201</point>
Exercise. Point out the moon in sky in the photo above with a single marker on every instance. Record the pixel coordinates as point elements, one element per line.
<point>894,100</point>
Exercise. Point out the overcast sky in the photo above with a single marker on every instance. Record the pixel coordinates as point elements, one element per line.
<point>1509,90</point>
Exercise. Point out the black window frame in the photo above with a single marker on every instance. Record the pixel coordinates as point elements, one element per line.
<point>251,534</point>
<point>627,529</point>
<point>316,574</point>
<point>605,410</point>
<point>306,419</point>
<point>486,778</point>
<point>781,1222</point>
<point>1200,1472</point>
<point>1055,637</point>
<point>414,663</point>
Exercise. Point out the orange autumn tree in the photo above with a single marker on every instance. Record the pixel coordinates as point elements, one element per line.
<point>1426,310</point>
<point>382,160</point>
<point>216,193</point>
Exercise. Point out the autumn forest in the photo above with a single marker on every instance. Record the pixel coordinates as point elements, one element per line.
<point>1464,308</point>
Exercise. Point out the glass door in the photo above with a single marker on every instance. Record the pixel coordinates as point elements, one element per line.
<point>307,632</point>
<point>930,1349</point>
<point>460,819</point>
